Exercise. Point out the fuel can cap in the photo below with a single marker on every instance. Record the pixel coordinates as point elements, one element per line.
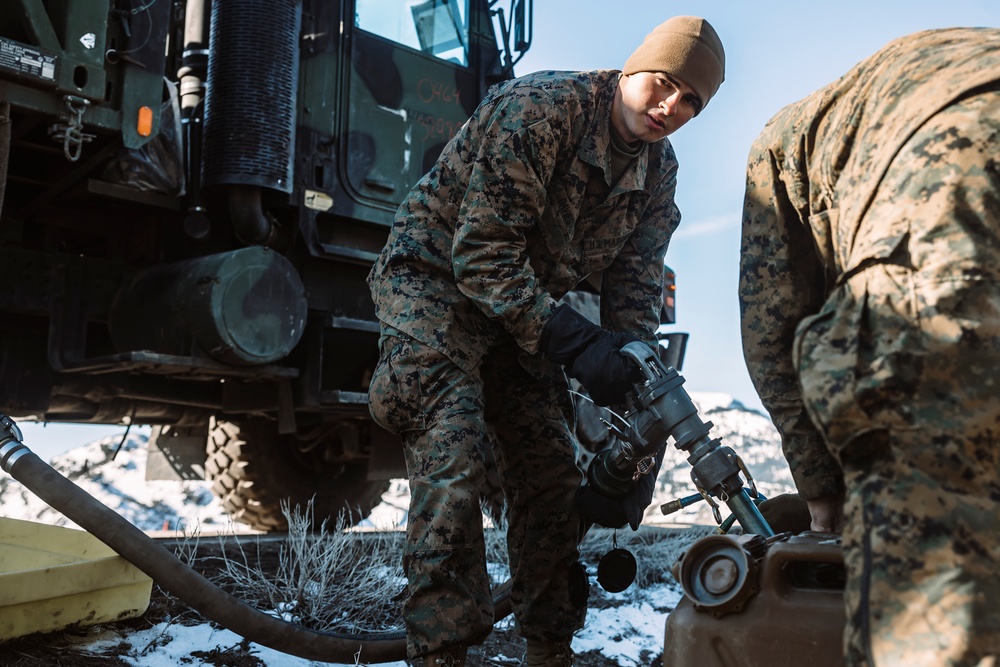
<point>616,571</point>
<point>718,575</point>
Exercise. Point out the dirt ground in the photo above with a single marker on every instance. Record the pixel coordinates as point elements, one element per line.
<point>68,648</point>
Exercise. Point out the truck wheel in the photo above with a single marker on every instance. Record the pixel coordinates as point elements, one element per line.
<point>252,473</point>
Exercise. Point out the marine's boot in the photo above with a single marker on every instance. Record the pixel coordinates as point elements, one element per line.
<point>549,654</point>
<point>450,656</point>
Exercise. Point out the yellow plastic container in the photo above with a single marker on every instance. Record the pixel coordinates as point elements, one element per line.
<point>52,578</point>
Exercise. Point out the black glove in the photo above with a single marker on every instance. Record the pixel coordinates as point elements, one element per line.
<point>616,512</point>
<point>591,355</point>
<point>787,513</point>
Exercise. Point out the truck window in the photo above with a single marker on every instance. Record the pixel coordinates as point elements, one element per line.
<point>436,27</point>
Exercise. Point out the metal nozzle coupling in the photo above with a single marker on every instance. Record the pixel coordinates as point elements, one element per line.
<point>671,507</point>
<point>678,504</point>
<point>610,475</point>
<point>11,447</point>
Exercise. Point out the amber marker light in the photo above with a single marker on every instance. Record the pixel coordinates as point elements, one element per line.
<point>144,125</point>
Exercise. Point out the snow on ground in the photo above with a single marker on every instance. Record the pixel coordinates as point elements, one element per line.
<point>623,634</point>
<point>166,645</point>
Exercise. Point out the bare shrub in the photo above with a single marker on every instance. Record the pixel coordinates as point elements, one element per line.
<point>327,579</point>
<point>340,579</point>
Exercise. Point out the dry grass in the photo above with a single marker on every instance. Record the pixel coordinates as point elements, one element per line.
<point>327,578</point>
<point>331,578</point>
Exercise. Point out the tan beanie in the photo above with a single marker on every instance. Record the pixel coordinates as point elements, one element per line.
<point>687,47</point>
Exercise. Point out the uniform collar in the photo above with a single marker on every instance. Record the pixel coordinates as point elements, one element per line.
<point>595,149</point>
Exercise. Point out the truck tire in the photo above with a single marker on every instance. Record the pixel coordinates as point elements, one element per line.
<point>252,474</point>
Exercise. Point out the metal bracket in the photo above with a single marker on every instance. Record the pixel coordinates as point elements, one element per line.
<point>70,132</point>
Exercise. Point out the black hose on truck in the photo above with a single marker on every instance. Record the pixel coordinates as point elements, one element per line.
<point>187,585</point>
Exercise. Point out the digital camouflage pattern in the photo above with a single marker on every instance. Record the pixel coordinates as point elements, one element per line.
<point>517,211</point>
<point>870,301</point>
<point>447,419</point>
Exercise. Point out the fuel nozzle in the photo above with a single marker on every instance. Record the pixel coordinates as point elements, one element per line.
<point>661,412</point>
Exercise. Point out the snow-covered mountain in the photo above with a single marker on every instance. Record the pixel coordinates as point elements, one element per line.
<point>749,433</point>
<point>118,480</point>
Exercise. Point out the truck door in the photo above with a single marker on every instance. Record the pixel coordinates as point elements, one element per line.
<point>411,85</point>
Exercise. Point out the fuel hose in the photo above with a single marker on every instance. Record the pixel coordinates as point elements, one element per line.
<point>187,585</point>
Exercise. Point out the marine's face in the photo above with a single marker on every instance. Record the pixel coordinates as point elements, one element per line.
<point>652,105</point>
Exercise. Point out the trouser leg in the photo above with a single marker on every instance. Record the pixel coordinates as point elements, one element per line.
<point>444,558</point>
<point>438,411</point>
<point>536,459</point>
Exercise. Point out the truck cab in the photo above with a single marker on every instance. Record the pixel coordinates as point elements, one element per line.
<point>193,192</point>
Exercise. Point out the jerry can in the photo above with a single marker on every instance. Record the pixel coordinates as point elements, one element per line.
<point>752,602</point>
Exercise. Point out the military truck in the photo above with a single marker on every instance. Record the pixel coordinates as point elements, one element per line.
<point>193,192</point>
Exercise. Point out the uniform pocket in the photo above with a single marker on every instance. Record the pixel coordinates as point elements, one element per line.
<point>395,398</point>
<point>826,362</point>
<point>860,359</point>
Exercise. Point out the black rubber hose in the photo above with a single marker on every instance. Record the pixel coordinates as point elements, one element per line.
<point>187,585</point>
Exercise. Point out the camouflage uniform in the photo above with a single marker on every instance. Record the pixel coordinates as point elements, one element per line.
<point>519,208</point>
<point>870,301</point>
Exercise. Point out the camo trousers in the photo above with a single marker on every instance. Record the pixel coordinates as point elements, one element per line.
<point>447,419</point>
<point>901,372</point>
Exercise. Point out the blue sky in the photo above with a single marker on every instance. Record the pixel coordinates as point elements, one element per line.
<point>776,52</point>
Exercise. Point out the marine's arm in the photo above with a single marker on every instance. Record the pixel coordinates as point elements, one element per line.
<point>632,286</point>
<point>781,282</point>
<point>522,140</point>
<point>514,161</point>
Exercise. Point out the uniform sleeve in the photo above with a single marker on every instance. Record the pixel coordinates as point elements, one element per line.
<point>515,160</point>
<point>632,287</point>
<point>781,283</point>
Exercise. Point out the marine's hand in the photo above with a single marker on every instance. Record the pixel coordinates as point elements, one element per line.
<point>639,498</point>
<point>827,514</point>
<point>600,509</point>
<point>591,355</point>
<point>786,513</point>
